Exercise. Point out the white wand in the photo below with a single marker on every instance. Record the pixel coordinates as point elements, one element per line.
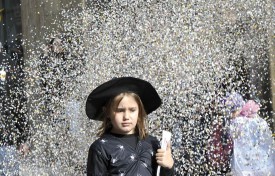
<point>166,137</point>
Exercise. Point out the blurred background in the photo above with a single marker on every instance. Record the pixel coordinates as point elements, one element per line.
<point>54,52</point>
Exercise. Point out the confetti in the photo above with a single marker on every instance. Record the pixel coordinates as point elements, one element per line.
<point>192,52</point>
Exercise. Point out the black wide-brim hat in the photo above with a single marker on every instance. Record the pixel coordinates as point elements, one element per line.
<point>103,93</point>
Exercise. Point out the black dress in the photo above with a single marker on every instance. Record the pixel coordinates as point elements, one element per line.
<point>124,155</point>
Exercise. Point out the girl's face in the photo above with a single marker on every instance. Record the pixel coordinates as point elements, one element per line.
<point>125,117</point>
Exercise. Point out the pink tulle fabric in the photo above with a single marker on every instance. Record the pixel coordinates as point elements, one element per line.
<point>250,109</point>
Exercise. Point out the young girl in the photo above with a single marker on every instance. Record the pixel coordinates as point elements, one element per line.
<point>124,146</point>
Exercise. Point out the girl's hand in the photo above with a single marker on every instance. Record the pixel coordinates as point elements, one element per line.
<point>164,158</point>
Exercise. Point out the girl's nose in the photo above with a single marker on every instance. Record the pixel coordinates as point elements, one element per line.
<point>126,115</point>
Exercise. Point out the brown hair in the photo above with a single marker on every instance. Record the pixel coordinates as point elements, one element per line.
<point>110,107</point>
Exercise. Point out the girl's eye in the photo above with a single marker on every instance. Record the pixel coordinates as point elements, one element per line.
<point>119,110</point>
<point>133,110</point>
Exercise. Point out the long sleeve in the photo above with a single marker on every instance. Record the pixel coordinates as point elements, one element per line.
<point>166,171</point>
<point>97,164</point>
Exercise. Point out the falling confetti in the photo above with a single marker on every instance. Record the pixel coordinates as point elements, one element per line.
<point>192,52</point>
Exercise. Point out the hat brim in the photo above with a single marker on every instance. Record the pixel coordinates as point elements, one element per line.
<point>103,93</point>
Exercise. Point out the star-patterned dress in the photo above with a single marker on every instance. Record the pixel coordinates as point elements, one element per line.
<point>254,153</point>
<point>124,156</point>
